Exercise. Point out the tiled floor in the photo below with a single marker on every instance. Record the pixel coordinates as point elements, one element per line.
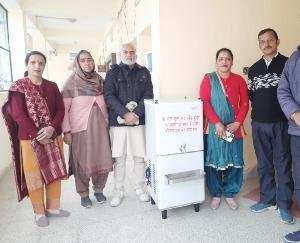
<point>136,222</point>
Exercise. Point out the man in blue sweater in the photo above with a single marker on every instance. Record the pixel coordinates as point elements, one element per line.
<point>288,94</point>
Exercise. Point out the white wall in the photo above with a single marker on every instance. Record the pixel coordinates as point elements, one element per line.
<point>191,34</point>
<point>60,65</point>
<point>17,42</point>
<point>144,43</point>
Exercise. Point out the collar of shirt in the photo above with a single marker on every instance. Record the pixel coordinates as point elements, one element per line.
<point>269,62</point>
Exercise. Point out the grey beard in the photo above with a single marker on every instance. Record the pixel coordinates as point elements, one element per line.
<point>129,63</point>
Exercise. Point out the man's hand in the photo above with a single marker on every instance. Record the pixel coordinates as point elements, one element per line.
<point>297,118</point>
<point>131,118</point>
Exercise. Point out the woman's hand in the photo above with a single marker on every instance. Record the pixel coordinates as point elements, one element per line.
<point>45,132</point>
<point>68,138</point>
<point>220,129</point>
<point>45,141</point>
<point>232,127</point>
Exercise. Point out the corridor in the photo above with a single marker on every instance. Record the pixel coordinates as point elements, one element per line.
<point>136,222</point>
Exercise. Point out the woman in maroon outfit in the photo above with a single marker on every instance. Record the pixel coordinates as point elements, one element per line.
<point>33,114</point>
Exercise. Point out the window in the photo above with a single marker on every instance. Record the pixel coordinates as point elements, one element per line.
<point>5,63</point>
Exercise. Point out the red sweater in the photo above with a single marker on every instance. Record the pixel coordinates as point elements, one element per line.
<point>237,94</point>
<point>26,128</point>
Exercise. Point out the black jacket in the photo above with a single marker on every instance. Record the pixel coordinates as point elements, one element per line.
<point>122,85</point>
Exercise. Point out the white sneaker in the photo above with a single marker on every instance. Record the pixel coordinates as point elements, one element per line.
<point>143,196</point>
<point>117,199</point>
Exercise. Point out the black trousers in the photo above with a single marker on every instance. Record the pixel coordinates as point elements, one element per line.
<point>295,149</point>
<point>272,148</point>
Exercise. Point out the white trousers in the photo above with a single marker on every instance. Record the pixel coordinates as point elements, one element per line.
<point>128,141</point>
<point>120,172</point>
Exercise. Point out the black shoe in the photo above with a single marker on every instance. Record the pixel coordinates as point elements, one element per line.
<point>100,197</point>
<point>86,202</point>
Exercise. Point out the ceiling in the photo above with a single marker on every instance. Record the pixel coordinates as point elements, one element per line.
<point>65,22</point>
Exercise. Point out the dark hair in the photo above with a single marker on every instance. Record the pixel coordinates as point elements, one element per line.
<point>226,50</point>
<point>267,30</point>
<point>25,74</point>
<point>34,53</point>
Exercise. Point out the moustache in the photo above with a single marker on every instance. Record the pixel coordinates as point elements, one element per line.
<point>267,47</point>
